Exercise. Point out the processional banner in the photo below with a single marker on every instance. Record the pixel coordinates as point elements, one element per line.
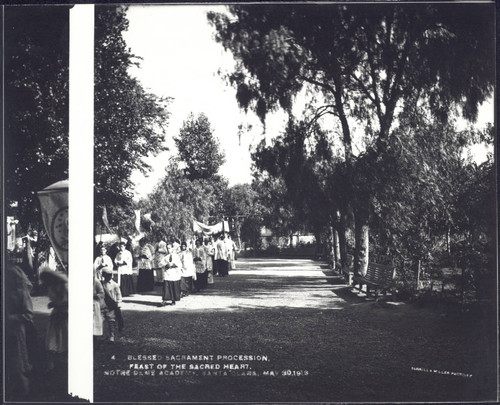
<point>54,205</point>
<point>219,227</point>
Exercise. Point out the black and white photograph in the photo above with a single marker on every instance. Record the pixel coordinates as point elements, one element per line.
<point>35,203</point>
<point>267,202</point>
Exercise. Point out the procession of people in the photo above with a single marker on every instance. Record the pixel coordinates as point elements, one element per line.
<point>121,269</point>
<point>182,268</point>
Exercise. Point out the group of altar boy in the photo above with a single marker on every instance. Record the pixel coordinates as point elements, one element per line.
<point>181,269</point>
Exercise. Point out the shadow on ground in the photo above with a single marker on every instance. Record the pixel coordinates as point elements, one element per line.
<point>320,341</point>
<point>384,348</point>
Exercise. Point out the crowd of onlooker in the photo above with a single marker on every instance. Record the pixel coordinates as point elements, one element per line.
<point>21,335</point>
<point>181,268</point>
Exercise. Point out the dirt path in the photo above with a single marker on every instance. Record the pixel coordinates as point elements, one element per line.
<point>286,330</point>
<point>289,330</point>
<point>256,283</point>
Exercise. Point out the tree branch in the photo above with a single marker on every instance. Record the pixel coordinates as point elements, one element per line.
<point>389,71</point>
<point>317,83</point>
<point>373,80</point>
<point>363,87</point>
<point>321,111</point>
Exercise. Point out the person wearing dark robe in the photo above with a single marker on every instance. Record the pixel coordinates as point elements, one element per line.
<point>221,257</point>
<point>145,280</point>
<point>199,258</point>
<point>18,327</point>
<point>123,262</point>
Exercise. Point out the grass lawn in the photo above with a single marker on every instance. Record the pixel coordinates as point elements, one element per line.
<point>332,345</point>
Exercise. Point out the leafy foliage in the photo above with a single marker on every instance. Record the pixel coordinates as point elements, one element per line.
<point>242,204</point>
<point>191,188</point>
<point>130,124</point>
<point>36,104</point>
<point>433,205</point>
<point>362,59</point>
<point>121,219</point>
<point>299,158</point>
<point>176,201</point>
<point>371,65</point>
<point>198,148</point>
<point>276,212</point>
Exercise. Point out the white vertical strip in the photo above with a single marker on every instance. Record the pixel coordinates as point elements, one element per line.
<point>81,201</point>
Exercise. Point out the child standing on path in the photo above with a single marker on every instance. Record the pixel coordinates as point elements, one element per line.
<point>111,308</point>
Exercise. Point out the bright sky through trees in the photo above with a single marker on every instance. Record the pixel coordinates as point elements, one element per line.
<point>180,59</point>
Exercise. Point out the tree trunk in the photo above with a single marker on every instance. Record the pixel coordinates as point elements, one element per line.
<point>336,246</point>
<point>342,241</point>
<point>361,250</point>
<point>418,275</point>
<point>238,234</point>
<point>332,243</point>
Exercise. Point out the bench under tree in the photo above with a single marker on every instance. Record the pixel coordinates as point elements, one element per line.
<point>379,277</point>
